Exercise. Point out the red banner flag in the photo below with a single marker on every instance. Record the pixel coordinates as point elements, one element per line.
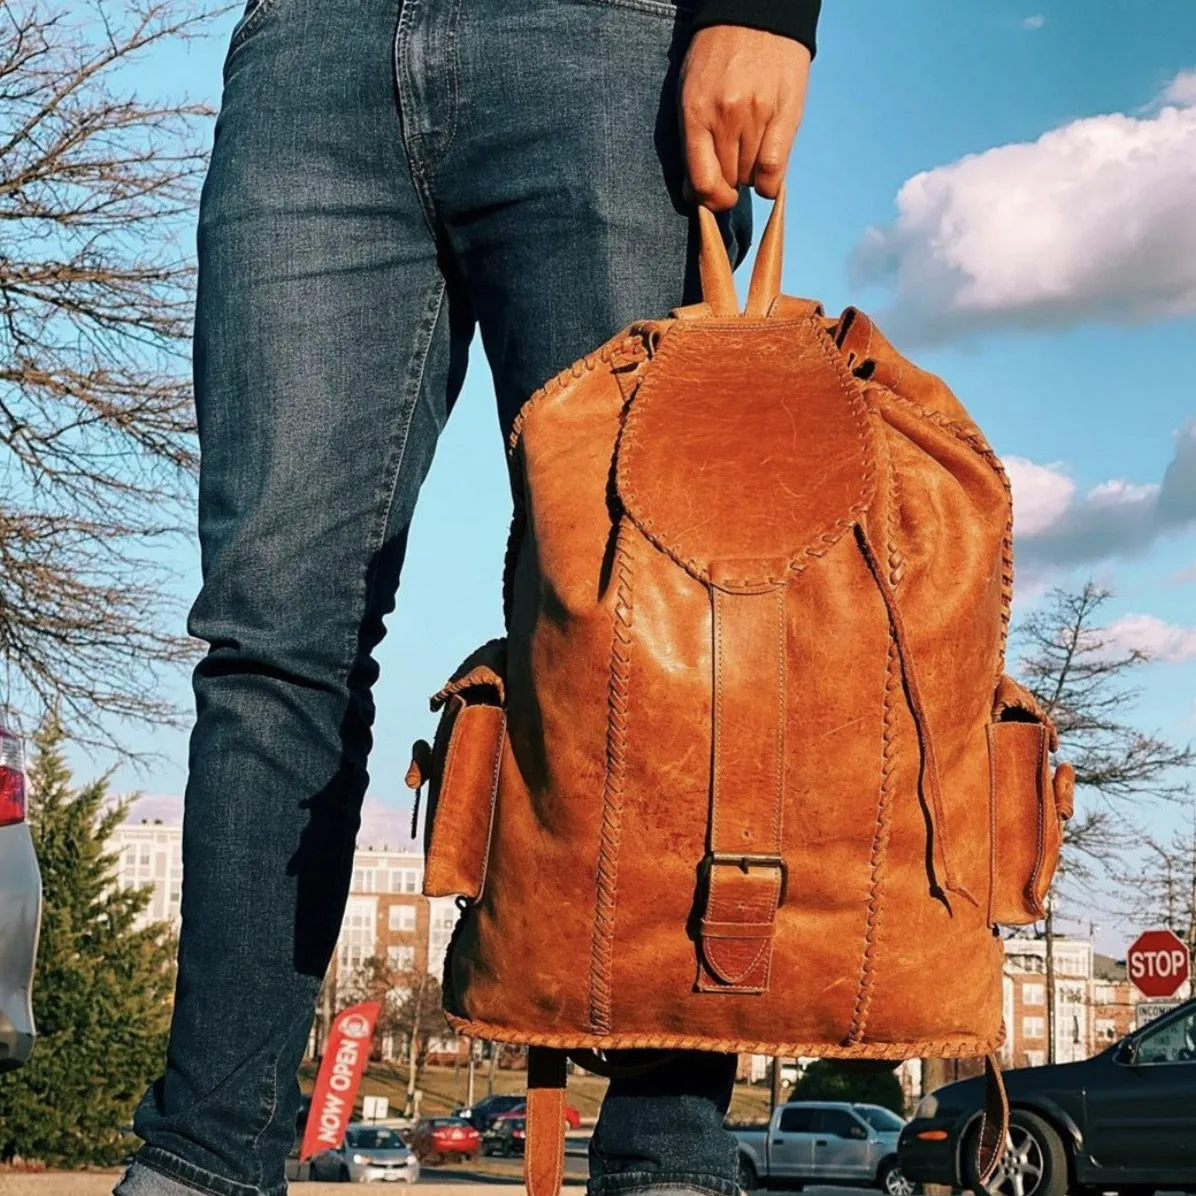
<point>345,1057</point>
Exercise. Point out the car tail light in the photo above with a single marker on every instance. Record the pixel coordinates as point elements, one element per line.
<point>12,778</point>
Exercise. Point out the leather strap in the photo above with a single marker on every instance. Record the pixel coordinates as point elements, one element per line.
<point>714,267</point>
<point>992,1140</point>
<point>544,1137</point>
<point>944,874</point>
<point>766,273</point>
<point>744,873</point>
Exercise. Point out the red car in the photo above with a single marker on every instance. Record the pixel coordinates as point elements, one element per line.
<point>437,1139</point>
<point>572,1116</point>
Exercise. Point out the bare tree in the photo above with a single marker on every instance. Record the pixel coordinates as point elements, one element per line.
<point>411,1009</point>
<point>1079,676</point>
<point>1164,892</point>
<point>97,184</point>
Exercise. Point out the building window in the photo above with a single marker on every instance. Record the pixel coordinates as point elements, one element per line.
<point>1033,1027</point>
<point>1104,994</point>
<point>410,880</point>
<point>1035,1058</point>
<point>402,917</point>
<point>396,881</point>
<point>400,958</point>
<point>357,880</point>
<point>1033,994</point>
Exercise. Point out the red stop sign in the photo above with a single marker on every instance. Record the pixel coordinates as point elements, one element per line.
<point>1158,963</point>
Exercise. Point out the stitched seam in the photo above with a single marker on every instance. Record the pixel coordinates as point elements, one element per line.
<point>822,541</point>
<point>654,8</point>
<point>647,332</point>
<point>960,1046</point>
<point>930,765</point>
<point>716,681</point>
<point>992,825</point>
<point>407,104</point>
<point>248,25</point>
<point>602,944</point>
<point>444,786</point>
<point>391,483</point>
<point>880,848</point>
<point>1032,887</point>
<point>974,439</point>
<point>502,740</point>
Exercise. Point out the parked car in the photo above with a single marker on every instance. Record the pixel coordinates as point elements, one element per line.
<point>572,1116</point>
<point>824,1142</point>
<point>506,1136</point>
<point>483,1112</point>
<point>368,1153</point>
<point>437,1139</point>
<point>1124,1120</point>
<point>20,906</point>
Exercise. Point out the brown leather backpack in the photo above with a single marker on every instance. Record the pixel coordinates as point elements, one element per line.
<point>746,772</point>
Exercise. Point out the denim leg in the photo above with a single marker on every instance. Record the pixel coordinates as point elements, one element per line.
<point>663,1131</point>
<point>382,171</point>
<point>329,347</point>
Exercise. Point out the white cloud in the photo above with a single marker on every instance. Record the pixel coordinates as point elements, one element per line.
<point>1153,637</point>
<point>1037,21</point>
<point>1041,494</point>
<point>1055,527</point>
<point>1092,220</point>
<point>1181,91</point>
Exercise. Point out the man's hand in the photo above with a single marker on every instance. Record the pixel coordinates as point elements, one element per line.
<point>741,97</point>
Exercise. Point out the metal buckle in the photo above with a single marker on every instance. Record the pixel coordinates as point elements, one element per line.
<point>745,861</point>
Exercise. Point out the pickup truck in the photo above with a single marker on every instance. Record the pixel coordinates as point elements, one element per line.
<point>824,1142</point>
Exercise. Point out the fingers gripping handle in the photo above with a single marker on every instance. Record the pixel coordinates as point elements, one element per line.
<point>714,266</point>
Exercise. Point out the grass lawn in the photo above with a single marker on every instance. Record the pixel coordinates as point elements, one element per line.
<point>445,1089</point>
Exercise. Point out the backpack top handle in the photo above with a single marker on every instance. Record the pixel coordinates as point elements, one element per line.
<point>715,271</point>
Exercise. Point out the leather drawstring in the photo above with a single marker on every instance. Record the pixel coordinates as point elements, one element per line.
<point>994,1122</point>
<point>930,770</point>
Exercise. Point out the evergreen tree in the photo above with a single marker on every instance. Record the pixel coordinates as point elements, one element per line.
<point>834,1080</point>
<point>102,988</point>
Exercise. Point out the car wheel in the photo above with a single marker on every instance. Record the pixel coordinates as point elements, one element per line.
<point>432,1159</point>
<point>893,1182</point>
<point>1034,1162</point>
<point>749,1181</point>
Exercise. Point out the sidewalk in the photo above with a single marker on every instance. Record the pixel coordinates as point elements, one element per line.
<point>100,1183</point>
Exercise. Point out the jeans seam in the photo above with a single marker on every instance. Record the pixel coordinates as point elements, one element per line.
<point>625,1182</point>
<point>377,538</point>
<point>273,1105</point>
<point>180,1171</point>
<point>655,8</point>
<point>410,142</point>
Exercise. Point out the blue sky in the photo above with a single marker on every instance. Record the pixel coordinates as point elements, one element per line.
<point>1005,187</point>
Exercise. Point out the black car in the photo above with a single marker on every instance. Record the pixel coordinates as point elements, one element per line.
<point>506,1138</point>
<point>1124,1121</point>
<point>481,1115</point>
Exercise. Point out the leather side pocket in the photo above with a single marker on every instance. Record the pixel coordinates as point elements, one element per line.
<point>1028,806</point>
<point>461,770</point>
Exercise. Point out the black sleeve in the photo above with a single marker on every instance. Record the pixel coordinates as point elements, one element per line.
<point>797,19</point>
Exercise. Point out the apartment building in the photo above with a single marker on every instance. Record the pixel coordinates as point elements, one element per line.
<point>386,914</point>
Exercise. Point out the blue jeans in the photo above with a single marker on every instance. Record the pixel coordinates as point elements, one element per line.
<point>386,174</point>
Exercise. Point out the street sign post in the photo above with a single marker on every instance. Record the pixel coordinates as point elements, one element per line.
<point>1158,963</point>
<point>1147,1011</point>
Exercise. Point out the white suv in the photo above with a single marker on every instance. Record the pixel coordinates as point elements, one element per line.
<point>20,906</point>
